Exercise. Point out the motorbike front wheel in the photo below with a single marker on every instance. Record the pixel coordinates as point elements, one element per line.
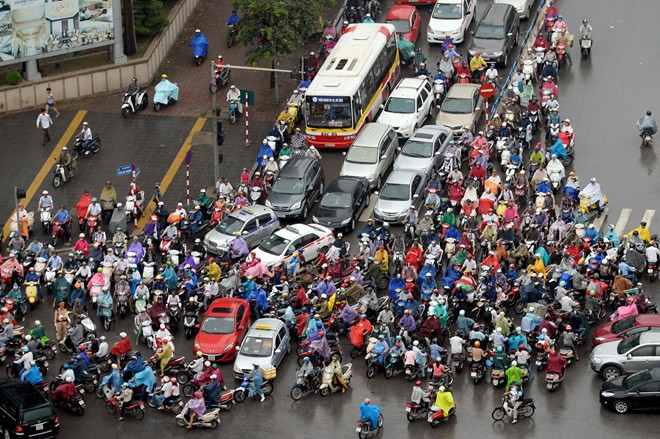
<point>57,181</point>
<point>126,112</point>
<point>232,118</point>
<point>498,414</point>
<point>157,107</point>
<point>241,395</point>
<point>296,392</point>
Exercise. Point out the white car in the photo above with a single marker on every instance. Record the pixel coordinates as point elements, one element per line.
<point>451,17</point>
<point>523,7</point>
<point>281,244</point>
<point>408,106</point>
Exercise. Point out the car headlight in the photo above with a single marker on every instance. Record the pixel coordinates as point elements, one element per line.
<point>472,52</point>
<point>597,360</point>
<point>269,204</point>
<point>370,177</point>
<point>197,346</point>
<point>607,394</point>
<point>237,369</point>
<point>229,347</point>
<point>377,211</point>
<point>295,206</point>
<point>497,53</point>
<point>346,221</point>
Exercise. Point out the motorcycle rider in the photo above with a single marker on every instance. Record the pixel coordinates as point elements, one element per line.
<point>132,91</point>
<point>444,401</point>
<point>514,400</point>
<point>195,407</point>
<point>556,364</point>
<point>647,124</point>
<point>65,391</point>
<point>477,64</point>
<point>235,94</point>
<point>86,134</point>
<point>220,69</point>
<point>593,191</point>
<point>419,395</point>
<point>566,40</point>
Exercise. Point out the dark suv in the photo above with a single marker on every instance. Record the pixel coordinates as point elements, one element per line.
<point>25,412</point>
<point>496,34</point>
<point>297,187</point>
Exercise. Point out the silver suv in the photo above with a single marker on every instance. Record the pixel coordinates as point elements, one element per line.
<point>640,351</point>
<point>255,223</point>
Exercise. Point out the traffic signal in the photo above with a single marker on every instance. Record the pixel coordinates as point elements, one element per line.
<point>20,194</point>
<point>221,133</point>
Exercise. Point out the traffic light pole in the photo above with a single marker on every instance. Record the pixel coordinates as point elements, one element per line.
<point>216,113</point>
<point>18,222</point>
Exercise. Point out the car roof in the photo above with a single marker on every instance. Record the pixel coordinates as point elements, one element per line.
<point>23,394</point>
<point>251,211</point>
<point>649,337</point>
<point>398,12</point>
<point>429,132</point>
<point>648,319</point>
<point>265,328</point>
<point>295,231</point>
<point>345,184</point>
<point>225,306</point>
<point>496,13</point>
<point>462,90</point>
<point>372,130</point>
<point>402,176</point>
<point>407,87</point>
<point>296,167</point>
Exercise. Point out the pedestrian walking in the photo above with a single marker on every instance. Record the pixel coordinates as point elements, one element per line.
<point>44,122</point>
<point>50,102</point>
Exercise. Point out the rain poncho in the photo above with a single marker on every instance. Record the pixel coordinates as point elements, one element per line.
<point>370,412</point>
<point>406,49</point>
<point>165,89</point>
<point>647,123</point>
<point>264,150</point>
<point>146,377</point>
<point>199,44</point>
<point>558,149</point>
<point>593,191</point>
<point>444,400</point>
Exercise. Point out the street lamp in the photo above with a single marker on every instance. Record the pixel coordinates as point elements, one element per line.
<point>216,113</point>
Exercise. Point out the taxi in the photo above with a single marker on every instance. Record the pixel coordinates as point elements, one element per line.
<point>265,344</point>
<point>255,223</point>
<point>280,245</point>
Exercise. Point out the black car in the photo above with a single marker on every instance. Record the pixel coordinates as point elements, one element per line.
<point>496,34</point>
<point>25,412</point>
<point>342,203</point>
<point>639,391</point>
<point>298,185</point>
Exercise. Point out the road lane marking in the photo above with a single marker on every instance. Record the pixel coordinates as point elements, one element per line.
<point>366,213</point>
<point>171,172</point>
<point>47,166</point>
<point>623,220</point>
<point>648,217</point>
<point>600,219</point>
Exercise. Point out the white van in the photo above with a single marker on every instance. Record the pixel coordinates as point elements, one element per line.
<point>451,17</point>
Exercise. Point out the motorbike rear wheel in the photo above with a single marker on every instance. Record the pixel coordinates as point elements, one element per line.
<point>189,390</point>
<point>528,411</point>
<point>151,400</point>
<point>183,377</point>
<point>267,388</point>
<point>568,161</point>
<point>371,371</point>
<point>138,413</point>
<point>95,146</point>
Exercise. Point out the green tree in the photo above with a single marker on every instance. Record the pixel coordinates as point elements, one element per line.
<point>272,27</point>
<point>148,17</point>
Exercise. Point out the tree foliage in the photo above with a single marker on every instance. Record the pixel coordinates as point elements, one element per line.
<point>148,17</point>
<point>271,27</point>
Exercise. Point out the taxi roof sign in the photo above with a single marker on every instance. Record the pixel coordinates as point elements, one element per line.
<point>263,326</point>
<point>293,230</point>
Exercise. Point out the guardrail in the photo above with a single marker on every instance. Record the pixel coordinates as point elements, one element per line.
<point>532,32</point>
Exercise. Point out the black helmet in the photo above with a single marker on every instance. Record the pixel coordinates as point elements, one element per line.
<point>648,112</point>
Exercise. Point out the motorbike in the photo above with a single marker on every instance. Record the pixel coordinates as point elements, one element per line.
<point>220,80</point>
<point>306,385</point>
<point>477,372</point>
<point>555,180</point>
<point>233,111</point>
<point>78,149</point>
<point>200,47</point>
<point>92,221</point>
<point>529,67</point>
<point>122,303</point>
<point>394,366</point>
<point>585,46</point>
<point>210,419</point>
<point>175,406</point>
<point>552,381</point>
<point>437,416</point>
<point>526,409</point>
<point>166,93</point>
<point>175,312</point>
<point>243,391</point>
<point>255,194</point>
<point>45,217</point>
<point>31,293</point>
<point>415,411</point>
<point>497,377</point>
<point>105,314</point>
<point>327,385</point>
<point>130,105</point>
<point>190,324</point>
<point>364,427</point>
<point>458,362</point>
<point>133,409</point>
<point>146,334</point>
<point>14,370</point>
<point>439,90</point>
<point>586,206</point>
<point>75,406</point>
<point>561,55</point>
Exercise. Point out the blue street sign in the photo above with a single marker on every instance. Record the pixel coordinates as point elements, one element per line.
<point>124,170</point>
<point>188,158</point>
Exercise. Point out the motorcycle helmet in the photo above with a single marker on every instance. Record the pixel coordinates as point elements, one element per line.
<point>307,360</point>
<point>499,349</point>
<point>25,349</point>
<point>648,112</point>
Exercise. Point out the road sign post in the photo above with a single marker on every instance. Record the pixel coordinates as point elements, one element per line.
<point>487,91</point>
<point>188,160</point>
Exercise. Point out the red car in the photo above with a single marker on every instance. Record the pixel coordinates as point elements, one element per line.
<point>415,2</point>
<point>222,329</point>
<point>406,21</point>
<point>625,328</point>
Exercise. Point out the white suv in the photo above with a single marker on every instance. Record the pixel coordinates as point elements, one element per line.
<point>410,103</point>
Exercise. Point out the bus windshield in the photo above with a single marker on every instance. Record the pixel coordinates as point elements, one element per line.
<point>325,112</point>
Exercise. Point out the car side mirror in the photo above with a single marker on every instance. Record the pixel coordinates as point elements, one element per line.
<point>628,357</point>
<point>510,34</point>
<point>477,109</point>
<point>382,106</point>
<point>471,32</point>
<point>416,196</point>
<point>376,192</point>
<point>383,157</point>
<point>278,351</point>
<point>343,153</point>
<point>437,153</point>
<point>398,148</point>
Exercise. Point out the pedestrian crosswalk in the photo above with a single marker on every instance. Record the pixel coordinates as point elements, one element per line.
<point>622,225</point>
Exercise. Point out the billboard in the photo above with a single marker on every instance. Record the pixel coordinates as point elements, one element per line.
<point>31,29</point>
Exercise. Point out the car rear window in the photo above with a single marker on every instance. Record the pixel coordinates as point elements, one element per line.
<point>221,310</point>
<point>623,325</point>
<point>38,414</point>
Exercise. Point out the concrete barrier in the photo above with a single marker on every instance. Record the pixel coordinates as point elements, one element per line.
<point>100,79</point>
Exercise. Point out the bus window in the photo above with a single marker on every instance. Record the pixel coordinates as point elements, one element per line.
<point>329,112</point>
<point>391,49</point>
<point>369,85</point>
<point>383,60</point>
<point>377,70</point>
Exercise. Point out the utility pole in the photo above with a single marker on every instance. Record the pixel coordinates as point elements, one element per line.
<point>274,42</point>
<point>216,113</point>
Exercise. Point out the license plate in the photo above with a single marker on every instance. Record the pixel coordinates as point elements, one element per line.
<point>408,372</point>
<point>358,429</point>
<point>650,271</point>
<point>430,417</point>
<point>408,409</point>
<point>211,357</point>
<point>538,363</point>
<point>82,403</point>
<point>39,427</point>
<point>473,374</point>
<point>45,363</point>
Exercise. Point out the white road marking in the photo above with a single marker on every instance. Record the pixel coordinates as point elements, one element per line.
<point>599,220</point>
<point>366,213</point>
<point>623,220</point>
<point>648,217</point>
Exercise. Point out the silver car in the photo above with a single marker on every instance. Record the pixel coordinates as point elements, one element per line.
<point>371,154</point>
<point>255,223</point>
<point>424,150</point>
<point>403,188</point>
<point>637,352</point>
<point>265,344</point>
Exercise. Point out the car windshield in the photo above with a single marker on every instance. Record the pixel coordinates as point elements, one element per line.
<point>400,105</point>
<point>490,32</point>
<point>627,344</point>
<point>401,26</point>
<point>447,11</point>
<point>289,186</point>
<point>274,245</point>
<point>637,378</point>
<point>230,225</point>
<point>396,192</point>
<point>362,155</point>
<point>336,200</point>
<point>336,113</point>
<point>218,325</point>
<point>623,325</point>
<point>257,347</point>
<point>457,106</point>
<point>417,149</point>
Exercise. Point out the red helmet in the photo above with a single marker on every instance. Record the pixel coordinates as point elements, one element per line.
<point>522,346</point>
<point>418,383</point>
<point>211,260</point>
<point>553,353</point>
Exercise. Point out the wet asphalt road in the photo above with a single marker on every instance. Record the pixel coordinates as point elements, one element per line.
<point>603,96</point>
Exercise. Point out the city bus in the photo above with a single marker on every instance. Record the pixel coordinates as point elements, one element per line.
<point>351,85</point>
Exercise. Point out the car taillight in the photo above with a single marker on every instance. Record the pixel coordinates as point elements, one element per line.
<point>19,429</point>
<point>57,420</point>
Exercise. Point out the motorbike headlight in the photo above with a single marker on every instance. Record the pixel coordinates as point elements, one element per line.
<point>607,394</point>
<point>269,204</point>
<point>295,206</point>
<point>229,347</point>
